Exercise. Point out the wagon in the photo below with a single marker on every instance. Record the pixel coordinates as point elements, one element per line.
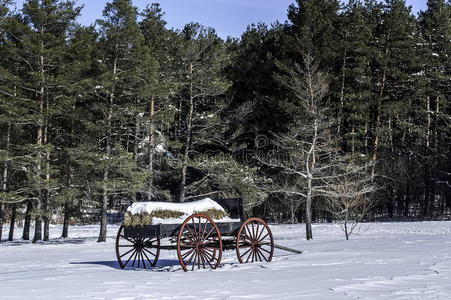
<point>199,241</point>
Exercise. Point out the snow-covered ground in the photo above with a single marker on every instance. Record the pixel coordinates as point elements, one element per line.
<point>387,261</point>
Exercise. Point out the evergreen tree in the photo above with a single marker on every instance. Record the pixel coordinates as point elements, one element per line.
<point>202,57</point>
<point>121,43</point>
<point>352,85</point>
<point>434,77</point>
<point>157,86</point>
<point>49,22</point>
<point>314,29</point>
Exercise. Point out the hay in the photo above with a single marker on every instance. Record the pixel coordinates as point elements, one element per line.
<point>143,219</point>
<point>214,213</point>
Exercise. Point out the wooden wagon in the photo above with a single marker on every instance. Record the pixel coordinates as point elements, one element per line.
<point>199,241</point>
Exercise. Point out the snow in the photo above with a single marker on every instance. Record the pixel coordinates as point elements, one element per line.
<point>160,148</point>
<point>187,208</point>
<point>387,261</point>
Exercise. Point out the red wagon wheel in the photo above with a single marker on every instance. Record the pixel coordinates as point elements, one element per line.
<point>199,244</point>
<point>254,241</point>
<point>139,252</point>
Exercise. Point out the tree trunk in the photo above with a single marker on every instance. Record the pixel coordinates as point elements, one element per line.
<point>104,208</point>
<point>308,211</point>
<point>67,212</point>
<point>428,121</point>
<point>378,117</point>
<point>378,124</point>
<point>45,198</point>
<point>437,111</point>
<point>189,120</point>
<point>2,209</point>
<point>151,148</point>
<point>27,222</point>
<point>5,178</point>
<point>342,92</point>
<point>66,219</point>
<point>135,144</point>
<point>12,223</point>
<point>346,227</point>
<point>67,206</point>
<point>310,165</point>
<point>39,142</point>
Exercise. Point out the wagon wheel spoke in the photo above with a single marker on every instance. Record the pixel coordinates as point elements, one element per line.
<point>201,253</point>
<point>248,236</point>
<point>143,261</point>
<point>131,241</point>
<point>244,254</point>
<point>209,259</point>
<point>191,258</point>
<point>209,233</point>
<point>150,252</point>
<point>261,232</point>
<point>128,260</point>
<point>148,259</point>
<point>134,259</point>
<point>194,261</point>
<point>269,252</point>
<point>190,238</point>
<point>199,234</point>
<point>196,235</point>
<point>262,254</point>
<point>257,254</point>
<point>204,230</point>
<point>263,237</point>
<point>127,252</point>
<point>250,254</point>
<point>187,253</point>
<point>208,255</point>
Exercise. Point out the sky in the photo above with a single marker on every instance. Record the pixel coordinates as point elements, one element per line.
<point>228,17</point>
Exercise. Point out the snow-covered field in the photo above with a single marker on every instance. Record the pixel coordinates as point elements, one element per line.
<point>388,261</point>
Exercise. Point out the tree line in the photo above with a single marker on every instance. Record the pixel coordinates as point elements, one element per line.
<point>341,113</point>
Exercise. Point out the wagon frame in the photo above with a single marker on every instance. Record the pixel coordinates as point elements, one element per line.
<point>199,240</point>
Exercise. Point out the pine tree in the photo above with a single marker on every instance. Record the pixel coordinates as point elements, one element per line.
<point>156,90</point>
<point>3,13</point>
<point>202,57</point>
<point>79,68</point>
<point>314,30</point>
<point>121,43</point>
<point>435,27</point>
<point>351,86</point>
<point>49,21</point>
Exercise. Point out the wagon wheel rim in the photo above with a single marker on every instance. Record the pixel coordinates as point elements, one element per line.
<point>136,252</point>
<point>199,243</point>
<point>255,242</point>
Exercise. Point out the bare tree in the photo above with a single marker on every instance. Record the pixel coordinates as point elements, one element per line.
<point>348,193</point>
<point>308,140</point>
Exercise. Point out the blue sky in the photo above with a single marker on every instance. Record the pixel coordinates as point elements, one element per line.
<point>228,17</point>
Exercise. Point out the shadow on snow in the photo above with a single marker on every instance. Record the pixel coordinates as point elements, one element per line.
<point>163,265</point>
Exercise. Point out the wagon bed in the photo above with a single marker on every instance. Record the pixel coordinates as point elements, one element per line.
<point>199,241</point>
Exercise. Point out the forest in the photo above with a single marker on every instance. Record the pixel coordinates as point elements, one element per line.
<point>341,114</point>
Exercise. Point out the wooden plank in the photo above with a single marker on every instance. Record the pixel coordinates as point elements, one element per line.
<point>287,249</point>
